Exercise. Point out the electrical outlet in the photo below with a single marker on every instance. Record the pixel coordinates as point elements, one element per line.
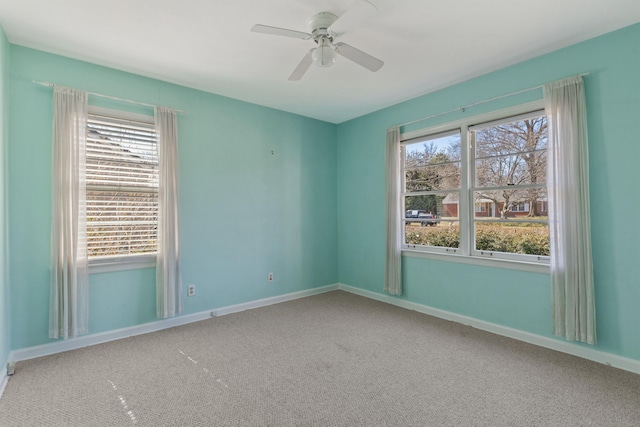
<point>270,277</point>
<point>191,290</point>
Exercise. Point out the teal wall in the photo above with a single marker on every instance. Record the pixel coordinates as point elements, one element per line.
<point>313,212</point>
<point>245,212</point>
<point>5,334</point>
<point>511,298</point>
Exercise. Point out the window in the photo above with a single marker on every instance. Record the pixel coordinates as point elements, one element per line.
<point>484,180</point>
<point>510,169</point>
<point>122,186</point>
<point>481,207</point>
<point>432,166</point>
<point>520,207</point>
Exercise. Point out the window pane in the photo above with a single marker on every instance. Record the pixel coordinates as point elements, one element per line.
<point>521,136</point>
<point>433,164</point>
<point>521,204</point>
<point>432,220</point>
<point>516,169</point>
<point>122,187</point>
<point>513,222</point>
<point>512,237</point>
<point>436,177</point>
<point>512,153</point>
<point>121,223</point>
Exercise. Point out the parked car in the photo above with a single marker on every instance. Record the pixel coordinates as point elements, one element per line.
<point>422,217</point>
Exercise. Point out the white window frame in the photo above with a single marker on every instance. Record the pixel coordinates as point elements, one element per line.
<point>121,262</point>
<point>419,139</point>
<point>466,206</point>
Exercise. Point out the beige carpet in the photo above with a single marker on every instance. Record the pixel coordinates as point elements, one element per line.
<point>334,359</point>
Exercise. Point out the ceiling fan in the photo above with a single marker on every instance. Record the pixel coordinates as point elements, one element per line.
<point>325,28</point>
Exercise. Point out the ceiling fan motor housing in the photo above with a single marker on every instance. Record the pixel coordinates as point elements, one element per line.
<point>320,23</point>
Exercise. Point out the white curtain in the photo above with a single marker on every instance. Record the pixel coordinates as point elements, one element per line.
<point>393,266</point>
<point>569,218</point>
<point>168,281</point>
<point>68,315</point>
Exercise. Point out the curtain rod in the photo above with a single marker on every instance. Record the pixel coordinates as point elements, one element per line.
<point>484,101</point>
<point>114,98</point>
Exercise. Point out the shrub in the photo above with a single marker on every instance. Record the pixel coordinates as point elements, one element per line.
<point>492,240</point>
<point>434,236</point>
<point>534,245</point>
<point>529,239</point>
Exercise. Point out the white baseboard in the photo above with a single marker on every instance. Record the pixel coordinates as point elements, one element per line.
<point>603,357</point>
<point>4,378</point>
<point>620,362</point>
<point>99,338</point>
<point>270,301</point>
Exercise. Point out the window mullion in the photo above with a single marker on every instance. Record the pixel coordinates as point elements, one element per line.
<point>466,175</point>
<point>403,183</point>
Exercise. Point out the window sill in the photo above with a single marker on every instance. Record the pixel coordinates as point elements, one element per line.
<point>465,259</point>
<point>121,263</point>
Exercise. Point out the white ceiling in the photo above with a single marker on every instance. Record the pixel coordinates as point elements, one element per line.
<point>207,44</point>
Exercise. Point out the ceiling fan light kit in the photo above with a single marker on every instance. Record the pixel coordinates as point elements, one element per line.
<point>323,55</point>
<point>325,27</point>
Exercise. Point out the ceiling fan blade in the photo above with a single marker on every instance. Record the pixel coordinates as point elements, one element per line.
<point>359,57</point>
<point>360,12</point>
<point>276,31</point>
<point>302,67</point>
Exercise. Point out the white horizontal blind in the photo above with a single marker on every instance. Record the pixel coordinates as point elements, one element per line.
<point>122,187</point>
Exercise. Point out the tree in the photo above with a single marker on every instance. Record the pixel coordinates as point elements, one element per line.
<point>512,154</point>
<point>431,168</point>
<point>535,142</point>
